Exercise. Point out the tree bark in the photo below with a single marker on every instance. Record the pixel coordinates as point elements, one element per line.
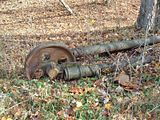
<point>157,21</point>
<point>149,15</point>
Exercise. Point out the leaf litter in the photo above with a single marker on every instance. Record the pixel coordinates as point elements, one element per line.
<point>28,23</point>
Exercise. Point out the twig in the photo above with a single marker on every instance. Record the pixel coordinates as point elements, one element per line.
<point>67,7</point>
<point>16,105</point>
<point>154,108</point>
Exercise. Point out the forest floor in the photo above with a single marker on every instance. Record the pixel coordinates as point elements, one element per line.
<point>25,24</point>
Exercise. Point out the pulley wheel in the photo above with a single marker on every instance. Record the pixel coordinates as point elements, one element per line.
<point>49,52</point>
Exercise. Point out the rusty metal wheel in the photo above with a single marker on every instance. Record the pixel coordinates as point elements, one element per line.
<point>49,52</point>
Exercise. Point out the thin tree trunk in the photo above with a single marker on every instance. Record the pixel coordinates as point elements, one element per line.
<point>149,14</point>
<point>157,21</point>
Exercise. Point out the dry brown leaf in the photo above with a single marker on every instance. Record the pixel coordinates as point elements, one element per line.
<point>95,106</point>
<point>69,111</point>
<point>70,118</point>
<point>61,113</point>
<point>106,113</point>
<point>3,118</point>
<point>76,90</point>
<point>18,113</point>
<point>98,83</point>
<point>124,80</point>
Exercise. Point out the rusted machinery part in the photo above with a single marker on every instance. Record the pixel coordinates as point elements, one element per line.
<point>114,46</point>
<point>52,70</point>
<point>43,54</point>
<point>79,71</point>
<point>76,71</point>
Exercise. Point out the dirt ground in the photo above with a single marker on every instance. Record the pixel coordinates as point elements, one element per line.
<point>33,18</point>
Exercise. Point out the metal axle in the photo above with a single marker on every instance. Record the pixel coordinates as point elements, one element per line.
<point>56,54</point>
<point>80,71</point>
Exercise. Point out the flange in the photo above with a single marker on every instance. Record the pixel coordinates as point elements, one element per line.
<point>56,53</point>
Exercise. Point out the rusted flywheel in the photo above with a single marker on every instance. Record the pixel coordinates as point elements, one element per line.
<point>47,53</point>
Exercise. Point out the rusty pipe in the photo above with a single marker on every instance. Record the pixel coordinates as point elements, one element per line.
<point>115,46</point>
<point>77,71</point>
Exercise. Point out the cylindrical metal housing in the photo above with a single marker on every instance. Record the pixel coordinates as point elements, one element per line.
<point>76,72</point>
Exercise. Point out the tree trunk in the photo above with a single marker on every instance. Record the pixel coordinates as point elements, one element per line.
<point>149,15</point>
<point>157,21</point>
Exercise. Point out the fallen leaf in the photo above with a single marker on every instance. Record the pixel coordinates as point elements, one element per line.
<point>70,118</point>
<point>89,89</point>
<point>9,119</point>
<point>106,99</point>
<point>119,89</point>
<point>1,81</point>
<point>76,90</point>
<point>108,106</point>
<point>95,106</point>
<point>61,113</point>
<point>106,113</point>
<point>98,83</point>
<point>124,80</point>
<point>18,113</point>
<point>3,118</point>
<point>92,22</point>
<point>69,111</point>
<point>78,106</point>
<point>119,100</point>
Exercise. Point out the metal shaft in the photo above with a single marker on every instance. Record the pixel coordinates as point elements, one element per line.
<point>80,71</point>
<point>77,72</point>
<point>115,46</point>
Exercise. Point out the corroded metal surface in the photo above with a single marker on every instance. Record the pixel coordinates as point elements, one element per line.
<point>114,46</point>
<point>45,59</point>
<point>80,71</point>
<point>43,54</point>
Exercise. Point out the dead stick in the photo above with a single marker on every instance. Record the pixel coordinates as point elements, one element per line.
<point>67,7</point>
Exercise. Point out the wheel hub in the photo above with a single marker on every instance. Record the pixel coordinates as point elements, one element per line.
<point>50,52</point>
